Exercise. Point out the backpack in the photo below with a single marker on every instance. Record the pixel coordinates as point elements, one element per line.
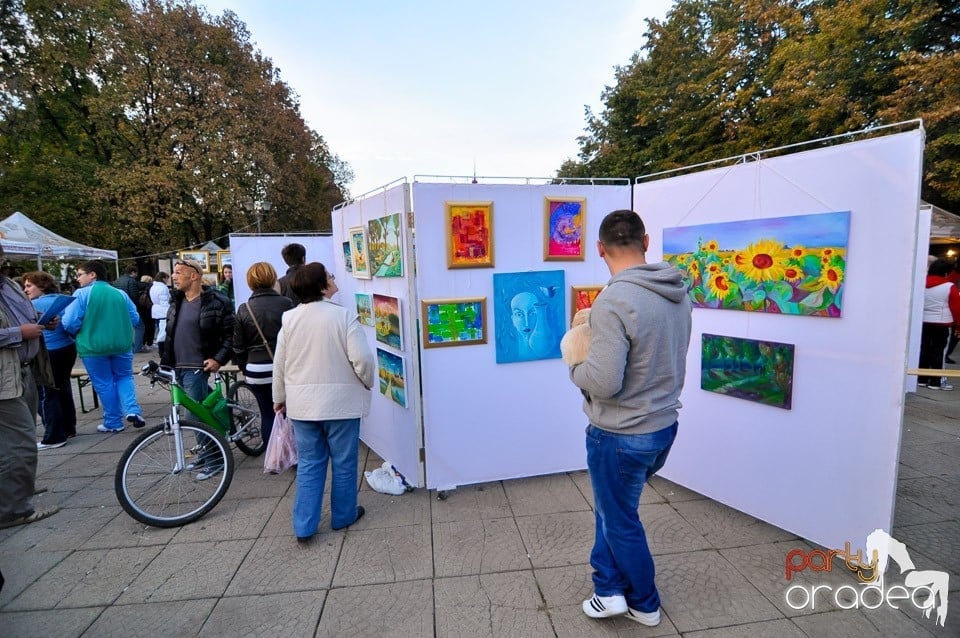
<point>145,301</point>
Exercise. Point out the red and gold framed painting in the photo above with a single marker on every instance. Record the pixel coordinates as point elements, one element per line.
<point>582,297</point>
<point>469,234</point>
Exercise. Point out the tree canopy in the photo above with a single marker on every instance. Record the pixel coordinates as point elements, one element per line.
<point>718,78</point>
<point>144,126</point>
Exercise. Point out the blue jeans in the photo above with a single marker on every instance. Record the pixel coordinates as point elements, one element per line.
<point>112,378</point>
<point>195,383</point>
<point>317,442</point>
<point>138,337</point>
<point>620,465</point>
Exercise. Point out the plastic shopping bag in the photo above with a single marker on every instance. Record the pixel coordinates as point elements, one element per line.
<point>385,480</point>
<point>282,446</point>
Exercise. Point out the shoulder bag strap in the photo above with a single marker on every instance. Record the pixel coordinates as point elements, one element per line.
<point>257,325</point>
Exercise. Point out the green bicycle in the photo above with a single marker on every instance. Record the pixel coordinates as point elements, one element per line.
<point>167,479</point>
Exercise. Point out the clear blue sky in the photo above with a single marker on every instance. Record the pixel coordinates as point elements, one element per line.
<point>428,88</point>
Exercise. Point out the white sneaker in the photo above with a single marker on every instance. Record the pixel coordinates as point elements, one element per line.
<point>49,446</point>
<point>103,428</point>
<point>650,619</point>
<point>605,606</point>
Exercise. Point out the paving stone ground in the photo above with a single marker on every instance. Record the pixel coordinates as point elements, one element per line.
<point>509,558</point>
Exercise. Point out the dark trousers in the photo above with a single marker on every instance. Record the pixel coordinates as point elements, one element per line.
<point>933,345</point>
<point>264,394</point>
<point>57,409</point>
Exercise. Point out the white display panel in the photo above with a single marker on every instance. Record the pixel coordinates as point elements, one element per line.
<point>246,250</point>
<point>392,431</point>
<point>919,283</point>
<point>484,421</point>
<point>826,469</point>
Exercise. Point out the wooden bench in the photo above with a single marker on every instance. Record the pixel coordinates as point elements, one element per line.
<point>83,380</point>
<point>933,372</point>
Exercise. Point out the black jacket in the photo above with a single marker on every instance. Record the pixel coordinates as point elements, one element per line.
<point>129,285</point>
<point>268,306</point>
<point>285,288</point>
<point>216,326</point>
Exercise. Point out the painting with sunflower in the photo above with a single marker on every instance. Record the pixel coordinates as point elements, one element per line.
<point>785,265</point>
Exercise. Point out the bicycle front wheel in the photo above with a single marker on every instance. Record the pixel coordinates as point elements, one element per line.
<point>153,491</point>
<point>245,412</point>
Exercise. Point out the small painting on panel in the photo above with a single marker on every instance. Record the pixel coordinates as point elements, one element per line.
<point>347,259</point>
<point>387,320</point>
<point>383,243</point>
<point>202,256</point>
<point>529,316</point>
<point>582,297</point>
<point>453,322</point>
<point>358,252</point>
<point>393,376</point>
<point>469,234</point>
<point>760,371</point>
<point>364,308</point>
<point>564,228</point>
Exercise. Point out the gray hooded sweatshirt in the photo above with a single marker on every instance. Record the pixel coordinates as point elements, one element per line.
<point>640,331</point>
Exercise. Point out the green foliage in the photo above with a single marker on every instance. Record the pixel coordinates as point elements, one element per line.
<point>721,78</point>
<point>148,123</point>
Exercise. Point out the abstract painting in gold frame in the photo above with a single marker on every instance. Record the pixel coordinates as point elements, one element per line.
<point>453,322</point>
<point>564,228</point>
<point>582,297</point>
<point>469,232</point>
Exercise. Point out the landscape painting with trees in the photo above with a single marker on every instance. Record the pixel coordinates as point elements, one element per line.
<point>760,371</point>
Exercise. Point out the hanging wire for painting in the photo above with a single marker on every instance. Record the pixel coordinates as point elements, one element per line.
<point>197,246</point>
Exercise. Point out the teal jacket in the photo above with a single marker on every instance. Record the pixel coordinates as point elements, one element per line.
<point>102,320</point>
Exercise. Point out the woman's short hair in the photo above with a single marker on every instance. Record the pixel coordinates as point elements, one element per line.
<point>309,282</point>
<point>260,275</point>
<point>42,280</point>
<point>146,279</point>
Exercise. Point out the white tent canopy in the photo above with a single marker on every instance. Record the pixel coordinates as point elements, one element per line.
<point>21,236</point>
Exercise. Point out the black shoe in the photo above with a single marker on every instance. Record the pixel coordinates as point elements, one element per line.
<point>304,539</point>
<point>360,513</point>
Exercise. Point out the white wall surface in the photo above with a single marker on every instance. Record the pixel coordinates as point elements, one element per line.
<point>826,469</point>
<point>483,421</point>
<point>246,250</point>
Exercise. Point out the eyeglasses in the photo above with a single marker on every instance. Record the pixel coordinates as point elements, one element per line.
<point>189,265</point>
<point>331,277</point>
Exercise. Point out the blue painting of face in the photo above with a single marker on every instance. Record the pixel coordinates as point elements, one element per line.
<point>528,315</point>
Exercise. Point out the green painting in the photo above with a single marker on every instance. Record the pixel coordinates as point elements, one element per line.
<point>760,371</point>
<point>383,243</point>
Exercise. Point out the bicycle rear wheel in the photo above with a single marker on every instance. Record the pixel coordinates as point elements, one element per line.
<point>151,491</point>
<point>245,412</point>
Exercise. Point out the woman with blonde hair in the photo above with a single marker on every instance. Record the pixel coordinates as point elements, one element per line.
<point>255,337</point>
<point>322,377</point>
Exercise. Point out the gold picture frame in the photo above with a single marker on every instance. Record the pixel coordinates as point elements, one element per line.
<point>203,256</point>
<point>582,297</point>
<point>221,254</point>
<point>469,230</point>
<point>564,228</point>
<point>439,329</point>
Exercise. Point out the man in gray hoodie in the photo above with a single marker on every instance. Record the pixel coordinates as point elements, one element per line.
<point>631,383</point>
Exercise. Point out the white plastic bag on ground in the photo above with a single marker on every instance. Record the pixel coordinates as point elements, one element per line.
<point>385,480</point>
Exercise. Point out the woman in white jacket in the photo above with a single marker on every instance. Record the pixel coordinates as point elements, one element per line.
<point>322,374</point>
<point>160,296</point>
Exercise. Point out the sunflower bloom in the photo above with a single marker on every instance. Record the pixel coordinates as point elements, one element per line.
<point>719,285</point>
<point>831,278</point>
<point>711,246</point>
<point>797,252</point>
<point>694,269</point>
<point>763,261</point>
<point>792,273</point>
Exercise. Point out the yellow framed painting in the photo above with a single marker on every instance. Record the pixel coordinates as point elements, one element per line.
<point>564,228</point>
<point>223,259</point>
<point>202,256</point>
<point>582,297</point>
<point>453,322</point>
<point>469,234</point>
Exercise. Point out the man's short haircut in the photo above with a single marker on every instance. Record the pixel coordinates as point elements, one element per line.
<point>309,282</point>
<point>97,267</point>
<point>293,254</point>
<point>940,268</point>
<point>261,275</point>
<point>130,270</point>
<point>42,280</point>
<point>622,229</point>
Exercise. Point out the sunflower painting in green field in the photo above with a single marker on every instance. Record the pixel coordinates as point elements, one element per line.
<point>785,265</point>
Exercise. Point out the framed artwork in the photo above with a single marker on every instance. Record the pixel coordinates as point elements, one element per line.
<point>528,311</point>
<point>203,256</point>
<point>393,376</point>
<point>210,279</point>
<point>383,243</point>
<point>364,308</point>
<point>783,265</point>
<point>564,228</point>
<point>760,371</point>
<point>453,322</point>
<point>223,259</point>
<point>387,321</point>
<point>358,252</point>
<point>469,234</point>
<point>582,297</point>
<point>347,259</point>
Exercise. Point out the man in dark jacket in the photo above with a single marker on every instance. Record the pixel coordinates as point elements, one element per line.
<point>128,283</point>
<point>199,329</point>
<point>295,256</point>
